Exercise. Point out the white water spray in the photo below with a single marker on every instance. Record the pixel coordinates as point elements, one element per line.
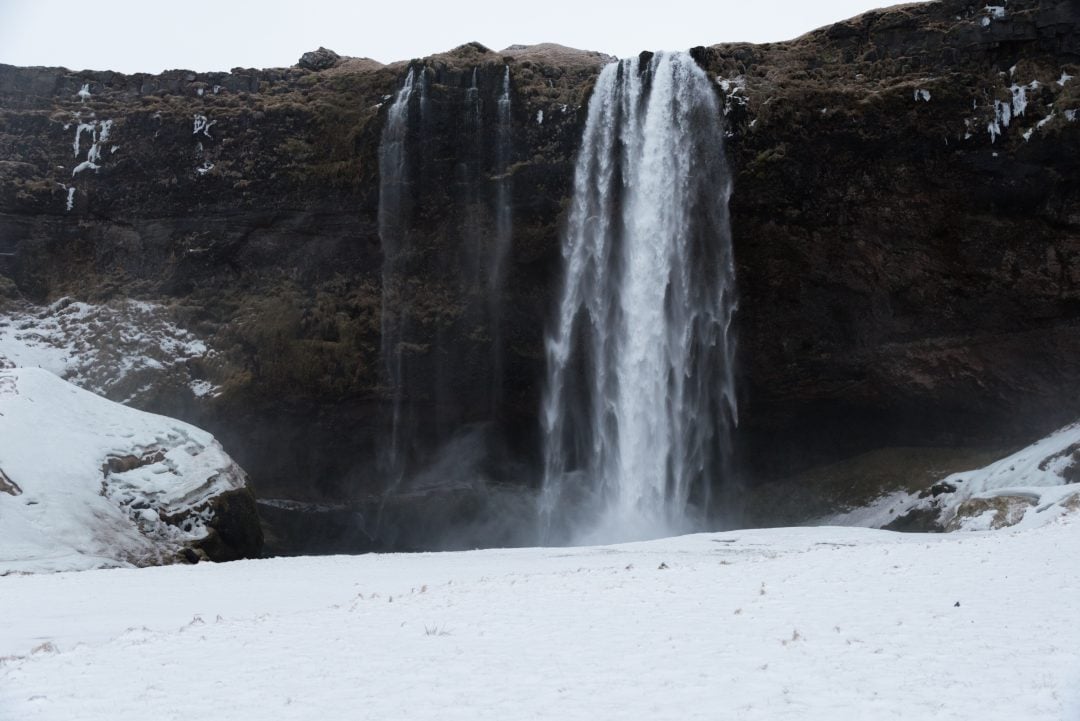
<point>640,398</point>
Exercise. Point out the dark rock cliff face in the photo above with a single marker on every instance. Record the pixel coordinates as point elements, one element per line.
<point>908,259</point>
<point>909,265</point>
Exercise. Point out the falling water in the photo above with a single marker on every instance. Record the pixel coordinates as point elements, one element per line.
<point>639,400</point>
<point>437,400</point>
<point>393,216</point>
<point>469,200</point>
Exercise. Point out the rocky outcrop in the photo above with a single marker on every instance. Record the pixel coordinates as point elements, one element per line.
<point>320,59</point>
<point>906,220</point>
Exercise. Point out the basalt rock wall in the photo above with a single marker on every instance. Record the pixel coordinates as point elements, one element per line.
<point>906,220</point>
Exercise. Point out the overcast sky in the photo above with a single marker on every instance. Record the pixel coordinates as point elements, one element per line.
<point>151,35</point>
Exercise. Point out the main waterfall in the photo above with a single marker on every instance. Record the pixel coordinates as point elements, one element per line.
<point>640,402</point>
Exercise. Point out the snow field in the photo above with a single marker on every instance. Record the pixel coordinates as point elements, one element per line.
<point>812,623</point>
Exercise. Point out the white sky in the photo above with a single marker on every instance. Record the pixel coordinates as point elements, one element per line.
<point>155,35</point>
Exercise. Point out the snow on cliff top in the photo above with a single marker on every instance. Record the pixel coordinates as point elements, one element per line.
<point>87,483</point>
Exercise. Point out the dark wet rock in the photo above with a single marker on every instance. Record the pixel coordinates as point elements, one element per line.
<point>917,520</point>
<point>938,489</point>
<point>235,531</point>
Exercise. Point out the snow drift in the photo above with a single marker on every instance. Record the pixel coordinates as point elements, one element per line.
<point>88,483</point>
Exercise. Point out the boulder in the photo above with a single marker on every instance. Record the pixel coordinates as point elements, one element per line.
<point>320,59</point>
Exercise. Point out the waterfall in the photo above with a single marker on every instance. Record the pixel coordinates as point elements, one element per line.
<point>442,362</point>
<point>639,401</point>
<point>393,217</point>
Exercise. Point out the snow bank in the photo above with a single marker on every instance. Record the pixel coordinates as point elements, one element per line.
<point>1030,488</point>
<point>88,483</point>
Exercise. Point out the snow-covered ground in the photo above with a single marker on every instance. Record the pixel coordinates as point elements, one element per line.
<point>87,483</point>
<point>810,623</point>
<point>805,623</point>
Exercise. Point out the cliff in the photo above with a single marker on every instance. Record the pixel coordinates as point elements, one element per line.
<point>906,219</point>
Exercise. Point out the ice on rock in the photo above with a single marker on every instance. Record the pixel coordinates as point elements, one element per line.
<point>1039,125</point>
<point>1019,100</point>
<point>202,125</point>
<point>84,128</point>
<point>1002,118</point>
<point>734,92</point>
<point>99,132</point>
<point>85,165</point>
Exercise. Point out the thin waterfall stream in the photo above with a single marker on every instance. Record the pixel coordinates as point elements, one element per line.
<point>394,199</point>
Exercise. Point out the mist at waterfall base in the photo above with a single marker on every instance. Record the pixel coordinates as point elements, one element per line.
<point>638,403</point>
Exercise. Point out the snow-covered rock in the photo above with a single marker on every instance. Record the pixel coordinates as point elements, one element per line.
<point>123,349</point>
<point>88,483</point>
<point>1029,488</point>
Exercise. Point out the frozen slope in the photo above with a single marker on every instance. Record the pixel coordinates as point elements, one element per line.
<point>810,623</point>
<point>88,483</point>
<point>1027,489</point>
